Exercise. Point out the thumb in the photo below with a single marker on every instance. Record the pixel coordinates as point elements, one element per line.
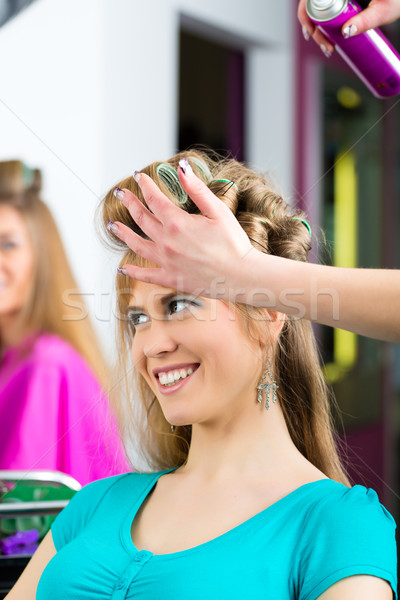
<point>209,204</point>
<point>373,16</point>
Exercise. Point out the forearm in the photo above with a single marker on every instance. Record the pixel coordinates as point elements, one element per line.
<point>26,586</point>
<point>365,301</point>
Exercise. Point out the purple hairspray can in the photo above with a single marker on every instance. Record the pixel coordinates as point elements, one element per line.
<point>369,54</point>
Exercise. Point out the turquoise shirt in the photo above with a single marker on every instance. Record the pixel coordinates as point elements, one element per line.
<point>294,549</point>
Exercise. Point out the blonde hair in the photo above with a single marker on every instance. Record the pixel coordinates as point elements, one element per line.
<point>274,228</point>
<point>45,310</point>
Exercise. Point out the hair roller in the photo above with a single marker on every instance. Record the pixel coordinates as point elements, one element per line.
<point>305,223</point>
<point>202,167</point>
<point>169,176</point>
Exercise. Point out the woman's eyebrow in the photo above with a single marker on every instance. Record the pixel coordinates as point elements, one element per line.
<point>162,301</point>
<point>9,232</point>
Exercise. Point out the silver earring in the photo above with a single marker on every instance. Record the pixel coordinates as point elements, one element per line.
<point>172,428</point>
<point>270,386</point>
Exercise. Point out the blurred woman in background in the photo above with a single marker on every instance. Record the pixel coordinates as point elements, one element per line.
<point>53,409</point>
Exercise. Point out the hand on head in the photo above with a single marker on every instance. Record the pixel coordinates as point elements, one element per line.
<point>378,12</point>
<point>201,225</point>
<point>194,251</point>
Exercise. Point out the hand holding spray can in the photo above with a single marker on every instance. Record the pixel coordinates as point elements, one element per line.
<point>369,54</point>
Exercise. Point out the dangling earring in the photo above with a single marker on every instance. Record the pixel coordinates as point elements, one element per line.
<point>172,428</point>
<point>268,387</point>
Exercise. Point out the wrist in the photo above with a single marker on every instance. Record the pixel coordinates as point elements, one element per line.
<point>273,282</point>
<point>258,277</point>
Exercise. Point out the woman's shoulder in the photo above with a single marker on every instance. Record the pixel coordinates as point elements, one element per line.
<point>54,354</point>
<point>107,492</point>
<point>40,356</point>
<point>103,498</point>
<point>340,495</point>
<point>48,361</point>
<point>53,348</point>
<point>131,480</point>
<point>349,509</point>
<point>344,531</point>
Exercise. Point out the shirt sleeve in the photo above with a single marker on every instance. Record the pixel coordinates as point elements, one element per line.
<point>79,511</point>
<point>346,534</point>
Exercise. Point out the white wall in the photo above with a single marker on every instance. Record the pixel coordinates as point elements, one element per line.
<point>89,91</point>
<point>52,113</point>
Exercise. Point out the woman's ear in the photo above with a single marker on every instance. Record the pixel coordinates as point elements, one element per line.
<point>276,321</point>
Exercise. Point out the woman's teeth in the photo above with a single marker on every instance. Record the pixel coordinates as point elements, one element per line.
<point>172,377</point>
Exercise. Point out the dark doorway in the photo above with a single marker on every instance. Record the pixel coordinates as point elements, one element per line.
<point>211,95</point>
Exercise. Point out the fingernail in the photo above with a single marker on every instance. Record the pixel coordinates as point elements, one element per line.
<point>136,176</point>
<point>305,33</point>
<point>349,31</point>
<point>186,168</point>
<point>325,50</point>
<point>118,193</point>
<point>111,226</point>
<point>122,271</point>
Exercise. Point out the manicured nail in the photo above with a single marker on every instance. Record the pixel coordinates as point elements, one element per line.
<point>122,271</point>
<point>111,226</point>
<point>305,33</point>
<point>118,193</point>
<point>349,31</point>
<point>325,50</point>
<point>136,176</point>
<point>186,168</point>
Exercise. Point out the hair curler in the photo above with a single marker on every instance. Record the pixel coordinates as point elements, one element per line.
<point>369,54</point>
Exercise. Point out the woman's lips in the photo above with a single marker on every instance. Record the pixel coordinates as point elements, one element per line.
<point>177,386</point>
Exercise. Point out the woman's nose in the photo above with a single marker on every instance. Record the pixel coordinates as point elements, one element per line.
<point>159,340</point>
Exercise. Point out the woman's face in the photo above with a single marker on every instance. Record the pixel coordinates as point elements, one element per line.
<point>16,262</point>
<point>195,354</point>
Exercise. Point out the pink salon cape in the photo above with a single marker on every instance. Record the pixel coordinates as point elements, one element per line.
<point>53,414</point>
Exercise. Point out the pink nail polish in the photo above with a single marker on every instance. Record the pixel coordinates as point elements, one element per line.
<point>186,168</point>
<point>325,50</point>
<point>306,35</point>
<point>112,227</point>
<point>118,193</point>
<point>349,31</point>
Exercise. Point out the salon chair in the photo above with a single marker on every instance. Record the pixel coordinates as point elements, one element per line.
<point>20,512</point>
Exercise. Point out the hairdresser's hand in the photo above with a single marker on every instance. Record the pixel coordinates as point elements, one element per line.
<point>311,31</point>
<point>378,12</point>
<point>203,254</point>
<point>210,255</point>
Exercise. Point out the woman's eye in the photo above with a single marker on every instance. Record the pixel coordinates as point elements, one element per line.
<point>178,305</point>
<point>136,319</point>
<point>8,245</point>
<point>174,307</point>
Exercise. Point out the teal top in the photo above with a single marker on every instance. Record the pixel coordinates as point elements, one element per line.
<point>294,549</point>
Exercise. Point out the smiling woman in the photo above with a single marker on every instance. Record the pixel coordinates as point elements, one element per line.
<point>274,228</point>
<point>209,341</point>
<point>246,495</point>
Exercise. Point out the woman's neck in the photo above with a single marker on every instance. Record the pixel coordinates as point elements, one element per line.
<point>256,443</point>
<point>13,331</point>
